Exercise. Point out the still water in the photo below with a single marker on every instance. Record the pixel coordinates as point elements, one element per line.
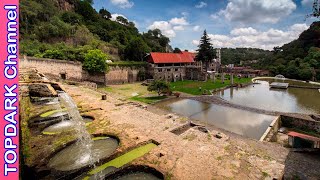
<point>260,96</point>
<point>241,122</point>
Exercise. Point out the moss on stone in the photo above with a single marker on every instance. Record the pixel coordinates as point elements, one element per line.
<point>49,113</point>
<point>125,159</point>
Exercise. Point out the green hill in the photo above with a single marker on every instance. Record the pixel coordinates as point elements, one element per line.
<point>67,29</point>
<point>299,59</point>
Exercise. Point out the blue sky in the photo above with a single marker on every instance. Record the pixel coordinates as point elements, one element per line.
<point>229,23</point>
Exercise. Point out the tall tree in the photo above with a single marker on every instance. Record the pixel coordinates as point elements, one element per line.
<point>105,13</point>
<point>205,52</point>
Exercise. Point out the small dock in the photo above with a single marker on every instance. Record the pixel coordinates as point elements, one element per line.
<point>279,85</point>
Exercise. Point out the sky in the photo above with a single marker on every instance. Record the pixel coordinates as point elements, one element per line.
<point>229,23</point>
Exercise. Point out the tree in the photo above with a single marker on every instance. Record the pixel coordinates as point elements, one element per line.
<point>205,52</point>
<point>122,20</point>
<point>71,17</point>
<point>159,87</point>
<point>176,50</point>
<point>104,13</point>
<point>95,61</point>
<point>136,50</point>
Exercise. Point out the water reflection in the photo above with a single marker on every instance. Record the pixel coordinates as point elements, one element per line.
<point>260,96</point>
<point>241,122</point>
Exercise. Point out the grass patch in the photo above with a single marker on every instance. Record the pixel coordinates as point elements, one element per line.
<point>125,159</point>
<point>128,90</point>
<point>148,100</point>
<point>52,112</point>
<point>192,87</point>
<point>49,133</point>
<point>265,174</point>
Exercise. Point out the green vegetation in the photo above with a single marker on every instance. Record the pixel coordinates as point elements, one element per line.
<point>49,113</point>
<point>159,87</point>
<point>95,61</point>
<point>205,52</point>
<point>68,30</point>
<point>298,59</point>
<point>193,87</point>
<point>125,159</point>
<point>244,55</point>
<point>148,100</point>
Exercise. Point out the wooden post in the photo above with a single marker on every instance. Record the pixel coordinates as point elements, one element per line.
<point>104,97</point>
<point>222,78</point>
<point>232,79</point>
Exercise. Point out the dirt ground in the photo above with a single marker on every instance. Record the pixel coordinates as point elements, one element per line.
<point>191,155</point>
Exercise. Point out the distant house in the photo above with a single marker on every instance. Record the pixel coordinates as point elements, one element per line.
<point>175,66</point>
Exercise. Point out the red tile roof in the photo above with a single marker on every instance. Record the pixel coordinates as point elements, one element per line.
<point>183,57</point>
<point>304,136</point>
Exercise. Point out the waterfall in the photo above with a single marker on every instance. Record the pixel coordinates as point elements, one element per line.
<point>84,138</point>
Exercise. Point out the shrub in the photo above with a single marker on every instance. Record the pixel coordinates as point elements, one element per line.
<point>95,61</point>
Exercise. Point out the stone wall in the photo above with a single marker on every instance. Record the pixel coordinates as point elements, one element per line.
<point>121,75</point>
<point>68,70</point>
<point>303,124</point>
<point>72,71</point>
<point>270,134</point>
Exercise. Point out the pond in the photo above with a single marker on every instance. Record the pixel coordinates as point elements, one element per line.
<point>238,121</point>
<point>295,100</point>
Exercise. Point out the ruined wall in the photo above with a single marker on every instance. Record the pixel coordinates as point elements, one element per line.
<point>303,124</point>
<point>121,75</point>
<point>54,68</point>
<point>70,70</point>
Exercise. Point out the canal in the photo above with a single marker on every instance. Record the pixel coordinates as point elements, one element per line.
<point>245,123</point>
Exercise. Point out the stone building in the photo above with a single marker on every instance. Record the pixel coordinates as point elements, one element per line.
<point>177,66</point>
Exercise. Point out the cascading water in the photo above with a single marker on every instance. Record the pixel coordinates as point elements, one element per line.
<point>84,138</point>
<point>85,151</point>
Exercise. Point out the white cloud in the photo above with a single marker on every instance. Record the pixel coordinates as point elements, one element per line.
<point>307,2</point>
<point>178,28</point>
<point>123,3</point>
<point>257,11</point>
<point>196,28</point>
<point>169,28</point>
<point>179,21</point>
<point>243,31</point>
<point>250,37</point>
<point>164,26</point>
<point>114,17</point>
<point>201,5</point>
<point>195,42</point>
<point>214,16</point>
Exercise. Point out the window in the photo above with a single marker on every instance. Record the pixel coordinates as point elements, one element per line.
<point>168,70</point>
<point>63,76</point>
<point>176,69</point>
<point>159,70</point>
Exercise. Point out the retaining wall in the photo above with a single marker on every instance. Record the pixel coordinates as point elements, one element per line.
<point>271,132</point>
<point>303,124</point>
<point>72,70</point>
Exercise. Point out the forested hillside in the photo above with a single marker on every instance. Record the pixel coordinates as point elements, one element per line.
<point>67,29</point>
<point>299,59</point>
<point>236,55</point>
